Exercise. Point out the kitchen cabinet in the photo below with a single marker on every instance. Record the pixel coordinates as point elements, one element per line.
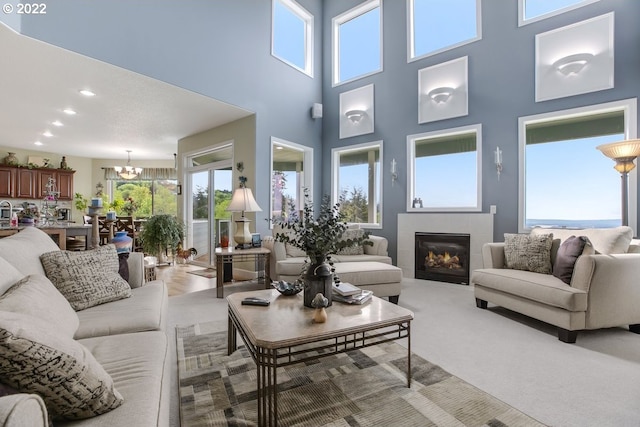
<point>26,185</point>
<point>23,183</point>
<point>7,179</point>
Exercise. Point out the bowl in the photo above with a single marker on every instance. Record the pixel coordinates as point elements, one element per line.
<point>287,288</point>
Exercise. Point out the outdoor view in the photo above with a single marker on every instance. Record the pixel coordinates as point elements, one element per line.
<point>144,198</point>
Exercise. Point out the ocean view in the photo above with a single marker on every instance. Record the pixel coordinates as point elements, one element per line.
<point>577,224</point>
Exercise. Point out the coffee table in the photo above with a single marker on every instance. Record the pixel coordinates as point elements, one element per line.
<point>283,334</point>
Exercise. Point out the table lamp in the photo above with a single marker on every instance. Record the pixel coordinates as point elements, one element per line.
<point>243,201</point>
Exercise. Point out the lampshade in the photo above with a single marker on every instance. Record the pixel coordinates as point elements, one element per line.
<point>243,201</point>
<point>355,115</point>
<point>572,64</point>
<point>621,149</point>
<point>127,172</point>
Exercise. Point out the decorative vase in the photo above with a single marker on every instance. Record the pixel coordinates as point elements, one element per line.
<point>63,163</point>
<point>224,241</point>
<point>122,241</point>
<point>11,159</point>
<point>317,279</point>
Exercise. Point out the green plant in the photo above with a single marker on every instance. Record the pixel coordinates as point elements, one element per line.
<point>318,237</point>
<point>80,202</point>
<point>116,205</point>
<point>161,232</point>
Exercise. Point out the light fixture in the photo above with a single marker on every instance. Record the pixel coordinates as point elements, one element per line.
<point>127,172</point>
<point>572,64</point>
<point>243,201</point>
<point>38,143</point>
<point>57,123</point>
<point>624,153</point>
<point>47,133</point>
<point>69,111</point>
<point>497,159</point>
<point>355,115</point>
<point>87,93</point>
<point>440,94</point>
<point>394,171</point>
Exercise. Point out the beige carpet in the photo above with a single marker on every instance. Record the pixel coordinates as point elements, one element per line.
<point>209,273</point>
<point>365,387</point>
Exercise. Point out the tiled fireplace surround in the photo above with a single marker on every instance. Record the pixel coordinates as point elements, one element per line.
<point>478,225</point>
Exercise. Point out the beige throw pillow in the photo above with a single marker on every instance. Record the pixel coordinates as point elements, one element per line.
<point>86,278</point>
<point>36,358</point>
<point>528,252</point>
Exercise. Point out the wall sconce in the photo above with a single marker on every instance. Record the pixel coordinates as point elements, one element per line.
<point>440,95</point>
<point>572,64</point>
<point>394,171</point>
<point>498,161</point>
<point>355,115</point>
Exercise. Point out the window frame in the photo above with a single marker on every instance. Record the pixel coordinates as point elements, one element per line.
<point>411,187</point>
<point>524,21</point>
<point>344,17</point>
<point>335,170</point>
<point>411,57</point>
<point>627,106</point>
<point>308,20</point>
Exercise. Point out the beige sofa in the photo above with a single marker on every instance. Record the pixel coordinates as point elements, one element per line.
<point>127,338</point>
<point>604,290</point>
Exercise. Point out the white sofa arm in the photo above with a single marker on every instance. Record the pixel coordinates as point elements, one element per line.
<point>379,247</point>
<point>493,255</point>
<point>20,410</point>
<point>136,269</point>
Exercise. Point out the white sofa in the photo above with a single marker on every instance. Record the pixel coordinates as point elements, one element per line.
<point>603,292</point>
<point>127,338</point>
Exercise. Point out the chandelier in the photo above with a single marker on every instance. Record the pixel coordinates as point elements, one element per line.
<point>127,172</point>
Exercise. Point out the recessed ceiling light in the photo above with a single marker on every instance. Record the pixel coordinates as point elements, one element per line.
<point>87,92</point>
<point>69,111</point>
<point>57,123</point>
<point>47,134</point>
<point>38,143</point>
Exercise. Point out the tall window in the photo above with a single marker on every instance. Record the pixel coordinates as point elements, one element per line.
<point>290,174</point>
<point>535,10</point>
<point>436,25</point>
<point>357,182</point>
<point>357,42</point>
<point>445,170</point>
<point>564,180</point>
<point>292,35</point>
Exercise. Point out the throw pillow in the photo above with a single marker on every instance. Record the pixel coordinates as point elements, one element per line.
<point>528,252</point>
<point>567,256</point>
<point>352,249</point>
<point>36,296</point>
<point>36,358</point>
<point>87,278</point>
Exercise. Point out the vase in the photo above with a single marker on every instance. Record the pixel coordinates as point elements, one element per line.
<point>317,279</point>
<point>11,159</point>
<point>122,241</point>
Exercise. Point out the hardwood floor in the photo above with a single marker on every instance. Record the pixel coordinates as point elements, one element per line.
<point>179,281</point>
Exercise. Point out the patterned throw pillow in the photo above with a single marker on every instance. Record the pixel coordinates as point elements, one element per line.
<point>36,358</point>
<point>86,278</point>
<point>351,234</point>
<point>528,252</point>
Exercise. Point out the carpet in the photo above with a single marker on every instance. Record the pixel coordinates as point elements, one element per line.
<point>209,273</point>
<point>364,387</point>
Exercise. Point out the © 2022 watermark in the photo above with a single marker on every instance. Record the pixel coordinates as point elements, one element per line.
<point>25,8</point>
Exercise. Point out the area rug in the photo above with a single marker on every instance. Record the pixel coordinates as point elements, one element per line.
<point>365,387</point>
<point>209,273</point>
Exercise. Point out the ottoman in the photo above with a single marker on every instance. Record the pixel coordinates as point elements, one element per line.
<point>383,279</point>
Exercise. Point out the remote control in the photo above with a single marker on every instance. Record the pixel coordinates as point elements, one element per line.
<point>255,301</point>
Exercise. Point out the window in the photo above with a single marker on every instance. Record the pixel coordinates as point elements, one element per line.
<point>357,42</point>
<point>145,198</point>
<point>437,25</point>
<point>534,10</point>
<point>290,175</point>
<point>445,170</point>
<point>564,180</point>
<point>357,182</point>
<point>292,35</point>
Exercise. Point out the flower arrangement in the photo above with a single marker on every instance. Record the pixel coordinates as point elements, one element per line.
<point>130,206</point>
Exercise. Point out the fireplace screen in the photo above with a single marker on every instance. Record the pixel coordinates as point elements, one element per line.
<point>443,257</point>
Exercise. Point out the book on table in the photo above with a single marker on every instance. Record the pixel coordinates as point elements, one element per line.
<point>360,298</point>
<point>345,289</point>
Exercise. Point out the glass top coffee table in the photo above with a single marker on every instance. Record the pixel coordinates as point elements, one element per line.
<point>283,333</point>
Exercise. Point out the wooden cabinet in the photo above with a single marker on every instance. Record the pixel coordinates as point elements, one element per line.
<point>65,184</point>
<point>26,186</point>
<point>7,179</point>
<point>23,183</point>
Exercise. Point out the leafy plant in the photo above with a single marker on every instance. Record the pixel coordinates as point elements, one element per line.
<point>161,232</point>
<point>318,237</point>
<point>80,202</point>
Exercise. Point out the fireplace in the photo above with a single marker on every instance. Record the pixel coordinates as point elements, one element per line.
<point>443,257</point>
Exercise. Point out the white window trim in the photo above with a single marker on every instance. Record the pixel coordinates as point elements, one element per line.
<point>361,9</point>
<point>411,39</point>
<point>522,21</point>
<point>411,139</point>
<point>307,180</point>
<point>308,19</point>
<point>335,170</point>
<point>627,106</point>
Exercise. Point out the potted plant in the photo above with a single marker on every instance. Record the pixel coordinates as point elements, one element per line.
<point>318,237</point>
<point>80,202</point>
<point>160,234</point>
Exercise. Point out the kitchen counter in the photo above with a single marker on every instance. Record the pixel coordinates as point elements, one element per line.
<point>58,232</point>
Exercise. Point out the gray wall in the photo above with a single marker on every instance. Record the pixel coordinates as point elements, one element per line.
<point>501,89</point>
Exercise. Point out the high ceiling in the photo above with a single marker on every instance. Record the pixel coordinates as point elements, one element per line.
<point>128,112</point>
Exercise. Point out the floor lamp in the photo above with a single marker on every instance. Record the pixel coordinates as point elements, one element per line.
<point>243,201</point>
<point>624,153</point>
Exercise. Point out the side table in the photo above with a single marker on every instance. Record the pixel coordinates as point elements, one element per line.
<point>229,255</point>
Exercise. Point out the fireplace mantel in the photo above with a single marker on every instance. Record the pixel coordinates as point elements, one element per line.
<point>478,225</point>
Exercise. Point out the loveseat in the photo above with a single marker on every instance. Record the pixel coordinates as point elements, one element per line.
<point>123,342</point>
<point>600,287</point>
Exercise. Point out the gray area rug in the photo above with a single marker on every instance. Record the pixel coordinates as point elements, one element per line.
<point>365,387</point>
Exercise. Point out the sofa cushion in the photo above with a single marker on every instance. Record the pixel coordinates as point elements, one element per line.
<point>293,251</point>
<point>604,240</point>
<point>354,249</point>
<point>87,278</point>
<point>36,358</point>
<point>10,275</point>
<point>23,249</point>
<point>568,254</point>
<point>530,252</point>
<point>36,296</point>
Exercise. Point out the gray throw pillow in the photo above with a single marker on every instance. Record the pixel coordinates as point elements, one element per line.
<point>568,254</point>
<point>86,278</point>
<point>355,249</point>
<point>528,252</point>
